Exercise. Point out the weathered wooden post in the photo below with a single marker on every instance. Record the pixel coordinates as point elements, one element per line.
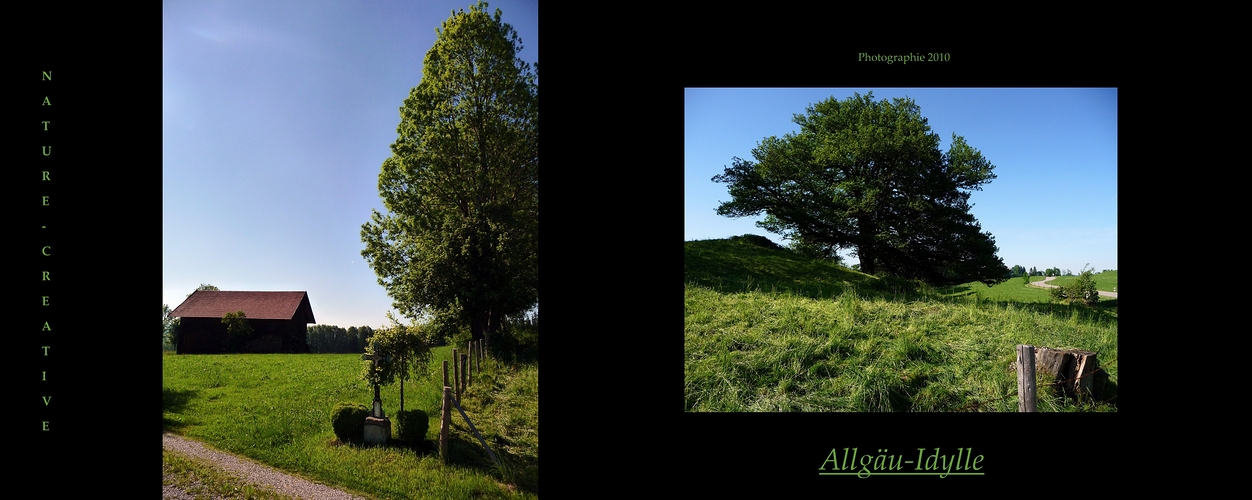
<point>445,421</point>
<point>1087,365</point>
<point>464,374</point>
<point>1025,378</point>
<point>456,374</point>
<point>445,373</point>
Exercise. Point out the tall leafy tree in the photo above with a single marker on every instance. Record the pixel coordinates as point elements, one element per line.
<point>869,175</point>
<point>459,241</point>
<point>169,332</point>
<point>238,330</point>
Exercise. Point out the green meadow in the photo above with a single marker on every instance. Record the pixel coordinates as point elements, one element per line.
<point>276,409</point>
<point>1105,281</point>
<point>768,330</point>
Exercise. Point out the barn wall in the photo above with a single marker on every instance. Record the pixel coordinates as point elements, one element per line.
<point>208,336</point>
<point>201,335</point>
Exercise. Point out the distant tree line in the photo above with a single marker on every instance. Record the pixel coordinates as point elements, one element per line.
<point>334,339</point>
<point>1019,271</point>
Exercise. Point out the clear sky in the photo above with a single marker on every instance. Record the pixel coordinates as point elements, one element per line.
<point>276,119</point>
<point>1052,204</point>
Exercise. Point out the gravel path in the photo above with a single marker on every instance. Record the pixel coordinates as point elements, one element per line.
<point>250,471</point>
<point>1044,284</point>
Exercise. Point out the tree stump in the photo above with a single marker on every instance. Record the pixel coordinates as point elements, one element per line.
<point>1076,371</point>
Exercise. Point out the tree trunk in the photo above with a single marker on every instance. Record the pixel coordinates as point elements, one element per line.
<point>867,260</point>
<point>865,250</point>
<point>478,325</point>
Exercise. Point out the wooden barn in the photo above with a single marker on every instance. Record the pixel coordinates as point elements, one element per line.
<point>279,321</point>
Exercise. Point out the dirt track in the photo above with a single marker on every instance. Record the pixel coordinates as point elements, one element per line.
<point>249,471</point>
<point>1044,284</point>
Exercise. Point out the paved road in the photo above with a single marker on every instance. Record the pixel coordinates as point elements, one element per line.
<point>1044,284</point>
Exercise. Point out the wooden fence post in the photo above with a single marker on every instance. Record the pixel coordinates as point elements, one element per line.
<point>445,421</point>
<point>445,373</point>
<point>1025,378</point>
<point>456,373</point>
<point>464,375</point>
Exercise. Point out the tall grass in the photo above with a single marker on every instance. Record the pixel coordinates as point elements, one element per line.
<point>868,348</point>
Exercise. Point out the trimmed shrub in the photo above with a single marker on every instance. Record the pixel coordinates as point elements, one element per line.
<point>411,426</point>
<point>348,421</point>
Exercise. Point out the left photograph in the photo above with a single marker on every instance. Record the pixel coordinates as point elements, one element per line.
<point>349,253</point>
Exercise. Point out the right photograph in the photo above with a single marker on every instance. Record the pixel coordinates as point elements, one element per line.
<point>900,250</point>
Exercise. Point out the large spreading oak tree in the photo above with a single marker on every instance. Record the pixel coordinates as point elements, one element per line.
<point>869,175</point>
<point>459,244</point>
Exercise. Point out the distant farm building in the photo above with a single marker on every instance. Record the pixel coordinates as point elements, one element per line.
<point>279,321</point>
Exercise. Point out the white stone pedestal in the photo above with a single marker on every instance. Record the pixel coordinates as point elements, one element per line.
<point>377,430</point>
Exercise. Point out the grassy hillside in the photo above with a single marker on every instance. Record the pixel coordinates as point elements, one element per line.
<point>1105,281</point>
<point>768,330</point>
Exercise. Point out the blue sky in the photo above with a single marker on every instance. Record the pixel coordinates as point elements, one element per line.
<point>1052,204</point>
<point>276,117</point>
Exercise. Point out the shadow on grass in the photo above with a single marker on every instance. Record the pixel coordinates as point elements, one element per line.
<point>956,291</point>
<point>469,453</point>
<point>1109,393</point>
<point>1105,400</point>
<point>518,471</point>
<point>174,401</point>
<point>1102,314</point>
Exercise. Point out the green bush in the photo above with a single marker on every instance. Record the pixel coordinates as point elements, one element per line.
<point>814,250</point>
<point>411,426</point>
<point>348,421</point>
<point>1084,288</point>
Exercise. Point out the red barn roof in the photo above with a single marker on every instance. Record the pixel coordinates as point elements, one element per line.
<point>255,305</point>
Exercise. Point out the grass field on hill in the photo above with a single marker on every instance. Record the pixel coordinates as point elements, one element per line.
<point>276,409</point>
<point>1105,281</point>
<point>768,330</point>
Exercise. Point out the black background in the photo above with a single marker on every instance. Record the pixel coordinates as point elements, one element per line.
<point>612,401</point>
<point>104,223</point>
